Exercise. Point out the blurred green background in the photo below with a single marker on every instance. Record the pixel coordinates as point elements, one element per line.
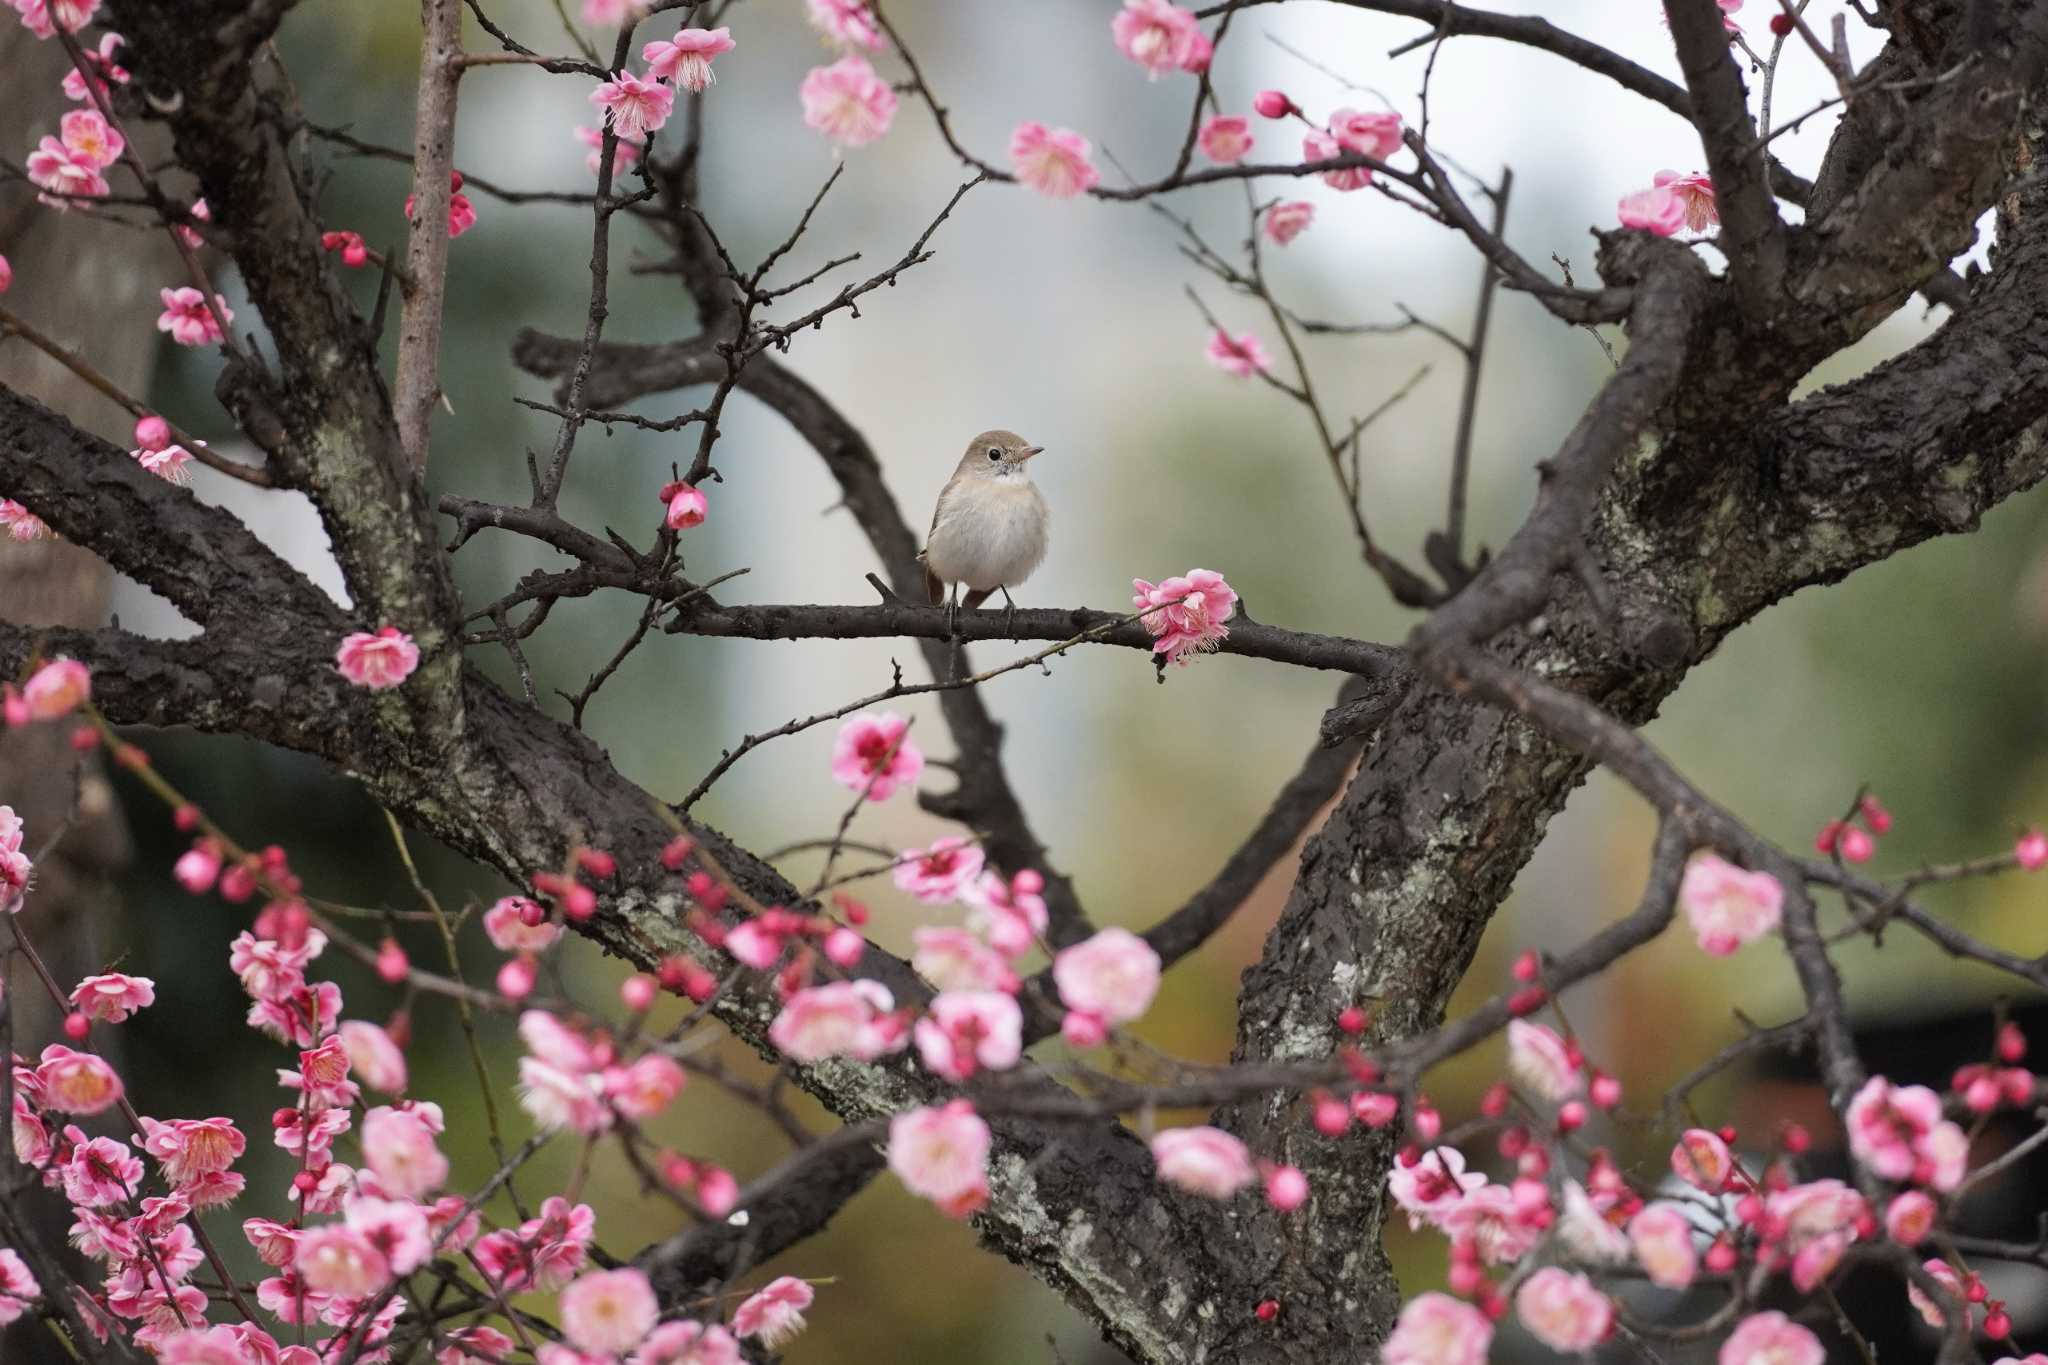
<point>1066,322</point>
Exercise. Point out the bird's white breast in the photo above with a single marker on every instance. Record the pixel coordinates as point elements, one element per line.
<point>989,534</point>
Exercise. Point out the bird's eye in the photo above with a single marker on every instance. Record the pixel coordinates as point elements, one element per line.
<point>994,454</point>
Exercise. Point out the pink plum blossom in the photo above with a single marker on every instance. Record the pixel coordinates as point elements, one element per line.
<point>106,72</point>
<point>839,1019</point>
<point>1563,1310</point>
<point>1240,356</point>
<point>1771,1339</point>
<point>873,753</point>
<point>645,1087</point>
<point>687,60</point>
<point>15,866</point>
<point>848,102</point>
<point>354,252</point>
<point>684,506</point>
<point>519,924</point>
<point>1489,1220</point>
<point>637,106</point>
<point>1909,1218</point>
<point>399,1146</point>
<point>101,1172</point>
<point>966,1031</point>
<point>64,176</point>
<point>1726,906</point>
<point>374,1056</point>
<point>1701,1158</point>
<point>187,318</point>
<point>187,1149</point>
<point>688,1343</point>
<point>1010,914</point>
<point>1818,1220</point>
<point>172,464</point>
<point>1658,210</point>
<point>1226,139</point>
<point>6,275</point>
<point>613,13</point>
<point>1375,135</point>
<point>336,1259</point>
<point>1285,221</point>
<point>397,1228</point>
<point>88,136</point>
<point>609,1311</point>
<point>1436,1329</point>
<point>1202,1160</point>
<point>848,23</point>
<point>44,17</point>
<point>1157,35</point>
<point>57,689</point>
<point>940,873</point>
<point>1286,1188</point>
<point>1696,193</point>
<point>941,1154</point>
<point>1432,1185</point>
<point>1186,613</point>
<point>475,1346</point>
<point>956,960</point>
<point>557,1097</point>
<point>774,1313</point>
<point>18,1288</point>
<point>1541,1062</point>
<point>21,524</point>
<point>379,661</point>
<point>1317,145</point>
<point>1663,1240</point>
<point>1111,977</point>
<point>113,997</point>
<point>1898,1132</point>
<point>1053,161</point>
<point>2030,851</point>
<point>1274,104</point>
<point>625,151</point>
<point>76,1082</point>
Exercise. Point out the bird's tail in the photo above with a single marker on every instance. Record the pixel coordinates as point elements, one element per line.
<point>933,587</point>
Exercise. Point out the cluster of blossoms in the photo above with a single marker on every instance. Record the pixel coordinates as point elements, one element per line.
<point>974,1022</point>
<point>1564,1217</point>
<point>1226,139</point>
<point>636,107</point>
<point>341,1264</point>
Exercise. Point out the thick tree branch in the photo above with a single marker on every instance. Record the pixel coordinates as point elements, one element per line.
<point>202,559</point>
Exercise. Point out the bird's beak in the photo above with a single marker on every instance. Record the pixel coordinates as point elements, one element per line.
<point>1029,451</point>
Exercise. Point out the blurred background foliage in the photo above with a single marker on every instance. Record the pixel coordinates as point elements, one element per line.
<point>1067,322</point>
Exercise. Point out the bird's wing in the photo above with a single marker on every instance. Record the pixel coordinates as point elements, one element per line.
<point>933,586</point>
<point>938,512</point>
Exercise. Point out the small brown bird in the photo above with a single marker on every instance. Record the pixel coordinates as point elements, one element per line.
<point>990,527</point>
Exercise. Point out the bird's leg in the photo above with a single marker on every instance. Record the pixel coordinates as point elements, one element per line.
<point>1009,614</point>
<point>952,611</point>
